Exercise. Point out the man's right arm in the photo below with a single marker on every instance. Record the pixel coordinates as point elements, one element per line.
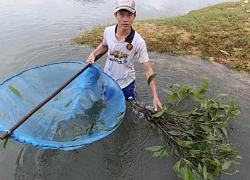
<point>101,49</point>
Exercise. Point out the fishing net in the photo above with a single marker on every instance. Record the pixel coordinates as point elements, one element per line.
<point>88,109</point>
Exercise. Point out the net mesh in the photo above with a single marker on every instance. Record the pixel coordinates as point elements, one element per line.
<point>91,107</point>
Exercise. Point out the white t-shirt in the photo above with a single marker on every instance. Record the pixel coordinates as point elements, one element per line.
<point>121,55</point>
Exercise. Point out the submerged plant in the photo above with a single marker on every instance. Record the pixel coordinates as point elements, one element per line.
<point>196,134</point>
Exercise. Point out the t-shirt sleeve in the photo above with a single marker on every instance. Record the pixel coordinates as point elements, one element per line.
<point>142,53</point>
<point>104,40</point>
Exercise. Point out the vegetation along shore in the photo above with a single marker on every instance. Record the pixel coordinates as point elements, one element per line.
<point>219,33</point>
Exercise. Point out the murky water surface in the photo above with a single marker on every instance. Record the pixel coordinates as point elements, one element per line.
<point>36,32</point>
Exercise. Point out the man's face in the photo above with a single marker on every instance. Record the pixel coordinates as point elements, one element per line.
<point>125,19</point>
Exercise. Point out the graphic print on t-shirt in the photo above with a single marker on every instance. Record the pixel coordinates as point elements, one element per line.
<point>118,54</point>
<point>119,57</point>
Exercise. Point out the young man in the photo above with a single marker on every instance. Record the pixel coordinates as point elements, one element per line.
<point>123,45</point>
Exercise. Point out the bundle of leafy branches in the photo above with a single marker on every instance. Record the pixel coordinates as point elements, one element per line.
<point>197,134</point>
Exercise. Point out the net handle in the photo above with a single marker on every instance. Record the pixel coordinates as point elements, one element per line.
<point>47,99</point>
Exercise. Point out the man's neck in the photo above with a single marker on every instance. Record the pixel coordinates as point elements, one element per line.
<point>122,33</point>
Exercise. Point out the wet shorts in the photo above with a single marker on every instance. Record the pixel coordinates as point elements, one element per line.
<point>129,92</point>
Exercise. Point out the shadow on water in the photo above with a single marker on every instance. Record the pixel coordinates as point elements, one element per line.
<point>123,154</point>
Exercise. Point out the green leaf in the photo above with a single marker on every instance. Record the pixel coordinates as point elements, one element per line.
<point>190,164</point>
<point>161,153</point>
<point>201,92</point>
<point>218,169</point>
<point>89,129</point>
<point>160,113</point>
<point>154,148</point>
<point>168,91</point>
<point>60,133</point>
<point>68,103</point>
<point>221,95</point>
<point>119,114</point>
<point>204,172</point>
<point>226,165</point>
<point>199,168</point>
<point>222,124</point>
<point>15,91</point>
<point>224,131</point>
<point>206,128</point>
<point>185,143</point>
<point>173,112</point>
<point>165,152</point>
<point>177,85</point>
<point>151,78</point>
<point>117,121</point>
<point>157,154</point>
<point>187,175</point>
<point>197,96</point>
<point>238,157</point>
<point>175,133</point>
<point>203,86</point>
<point>173,97</point>
<point>176,167</point>
<point>6,141</point>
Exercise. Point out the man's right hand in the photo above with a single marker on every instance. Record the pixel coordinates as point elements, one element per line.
<point>91,59</point>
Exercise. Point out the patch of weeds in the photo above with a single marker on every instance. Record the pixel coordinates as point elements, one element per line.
<point>241,65</point>
<point>197,134</point>
<point>179,52</point>
<point>238,54</point>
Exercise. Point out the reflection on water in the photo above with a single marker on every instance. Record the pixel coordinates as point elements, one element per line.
<point>40,32</point>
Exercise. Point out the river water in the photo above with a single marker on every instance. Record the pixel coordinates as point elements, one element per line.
<point>37,32</point>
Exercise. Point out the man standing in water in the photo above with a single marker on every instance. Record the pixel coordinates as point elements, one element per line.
<point>123,44</point>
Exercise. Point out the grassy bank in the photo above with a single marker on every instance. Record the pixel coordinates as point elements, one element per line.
<point>219,33</point>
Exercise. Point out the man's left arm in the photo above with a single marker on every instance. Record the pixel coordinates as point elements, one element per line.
<point>148,72</point>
